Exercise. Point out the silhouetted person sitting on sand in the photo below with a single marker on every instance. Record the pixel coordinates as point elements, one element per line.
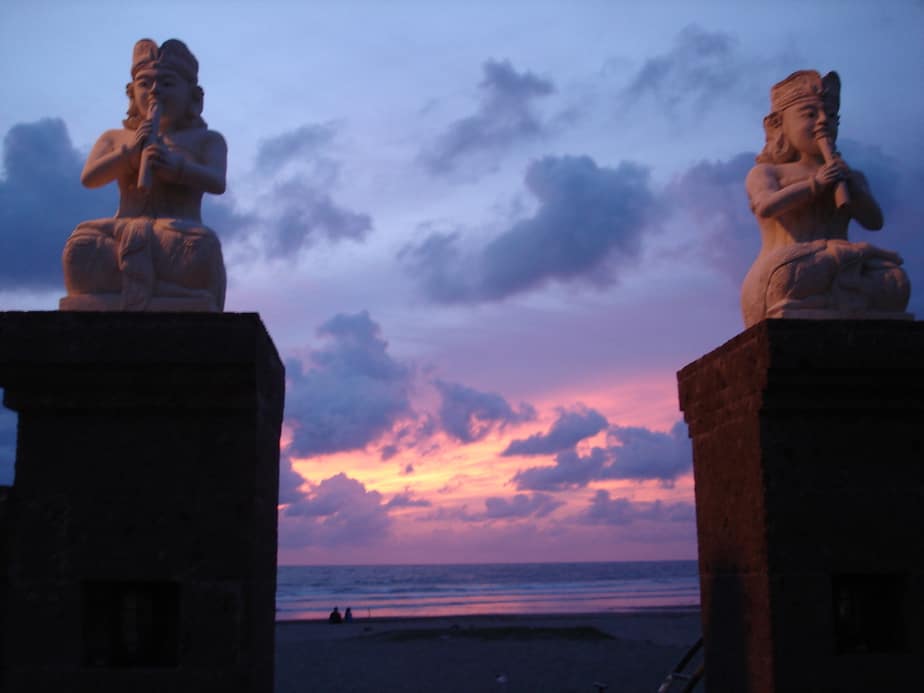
<point>348,615</point>
<point>335,616</point>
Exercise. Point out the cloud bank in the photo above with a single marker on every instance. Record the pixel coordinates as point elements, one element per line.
<point>339,511</point>
<point>505,116</point>
<point>349,393</point>
<point>41,202</point>
<point>590,223</point>
<point>468,415</point>
<point>568,430</point>
<point>701,66</point>
<point>632,453</point>
<point>298,208</point>
<point>604,510</point>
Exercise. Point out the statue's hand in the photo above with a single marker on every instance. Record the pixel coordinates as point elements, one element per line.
<point>832,172</point>
<point>142,137</point>
<point>168,165</point>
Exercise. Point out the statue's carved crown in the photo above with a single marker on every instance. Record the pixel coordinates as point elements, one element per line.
<point>807,85</point>
<point>172,54</point>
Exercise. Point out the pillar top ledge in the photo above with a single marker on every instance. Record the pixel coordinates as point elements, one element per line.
<point>66,360</point>
<point>790,343</point>
<point>61,338</point>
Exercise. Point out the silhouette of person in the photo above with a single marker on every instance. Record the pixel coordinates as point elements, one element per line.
<point>348,615</point>
<point>335,616</point>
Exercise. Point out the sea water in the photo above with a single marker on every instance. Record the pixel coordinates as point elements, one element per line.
<point>310,592</point>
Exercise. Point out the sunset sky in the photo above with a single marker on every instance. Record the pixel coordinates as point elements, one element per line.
<point>484,236</point>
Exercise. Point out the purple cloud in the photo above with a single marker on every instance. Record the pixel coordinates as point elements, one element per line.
<point>351,393</point>
<point>700,67</point>
<point>632,453</point>
<point>569,429</point>
<point>306,212</point>
<point>712,194</point>
<point>642,454</point>
<point>896,185</point>
<point>505,116</point>
<point>415,433</point>
<point>469,415</point>
<point>622,511</point>
<point>407,500</point>
<point>589,223</point>
<point>303,144</point>
<point>570,470</point>
<point>521,505</point>
<point>290,481</point>
<point>41,201</point>
<point>339,511</point>
<point>299,209</point>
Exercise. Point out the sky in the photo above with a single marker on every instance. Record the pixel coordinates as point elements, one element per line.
<point>483,236</point>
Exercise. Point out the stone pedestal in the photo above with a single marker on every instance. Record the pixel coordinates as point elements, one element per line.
<point>141,526</point>
<point>808,456</point>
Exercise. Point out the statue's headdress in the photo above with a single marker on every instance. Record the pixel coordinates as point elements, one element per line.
<point>806,85</point>
<point>172,54</point>
<point>801,86</point>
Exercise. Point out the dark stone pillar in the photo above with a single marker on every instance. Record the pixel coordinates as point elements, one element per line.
<point>141,526</point>
<point>807,456</point>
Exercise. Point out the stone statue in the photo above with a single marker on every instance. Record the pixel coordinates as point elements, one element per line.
<point>803,195</point>
<point>155,254</point>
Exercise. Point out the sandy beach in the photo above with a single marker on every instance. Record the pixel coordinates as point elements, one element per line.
<point>629,652</point>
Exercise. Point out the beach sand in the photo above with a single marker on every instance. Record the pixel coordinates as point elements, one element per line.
<point>630,652</point>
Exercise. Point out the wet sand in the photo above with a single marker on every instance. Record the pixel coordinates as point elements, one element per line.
<point>629,652</point>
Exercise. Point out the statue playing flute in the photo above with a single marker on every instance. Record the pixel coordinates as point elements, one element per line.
<point>155,254</point>
<point>804,195</point>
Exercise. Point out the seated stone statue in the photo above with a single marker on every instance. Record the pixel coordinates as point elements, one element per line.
<point>803,195</point>
<point>155,254</point>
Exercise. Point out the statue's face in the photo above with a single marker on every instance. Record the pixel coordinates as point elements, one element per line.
<point>802,122</point>
<point>168,88</point>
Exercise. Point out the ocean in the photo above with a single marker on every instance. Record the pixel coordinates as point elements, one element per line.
<point>310,592</point>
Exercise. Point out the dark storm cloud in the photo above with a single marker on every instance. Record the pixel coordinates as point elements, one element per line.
<point>41,201</point>
<point>351,391</point>
<point>339,511</point>
<point>622,511</point>
<point>700,67</point>
<point>469,415</point>
<point>8,422</point>
<point>590,221</point>
<point>521,505</point>
<point>569,429</point>
<point>632,453</point>
<point>505,116</point>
